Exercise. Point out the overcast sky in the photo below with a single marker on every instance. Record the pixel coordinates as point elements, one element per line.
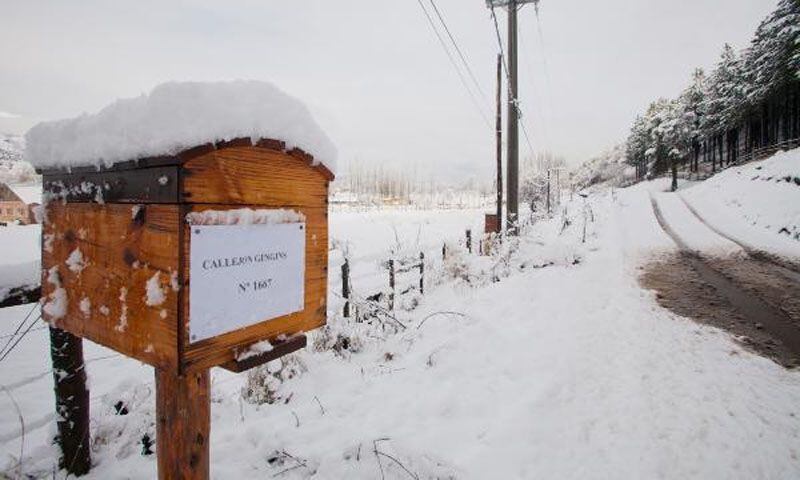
<point>373,72</point>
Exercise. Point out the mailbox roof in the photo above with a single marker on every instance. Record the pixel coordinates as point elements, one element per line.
<point>176,116</point>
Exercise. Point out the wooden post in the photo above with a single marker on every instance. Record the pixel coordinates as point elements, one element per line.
<point>558,186</point>
<point>183,411</point>
<point>391,284</point>
<point>469,241</point>
<point>444,251</point>
<point>499,146</point>
<point>548,191</point>
<point>585,206</point>
<point>422,273</point>
<point>72,401</point>
<point>346,287</point>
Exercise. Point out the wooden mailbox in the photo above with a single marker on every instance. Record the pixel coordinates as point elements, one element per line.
<point>118,262</point>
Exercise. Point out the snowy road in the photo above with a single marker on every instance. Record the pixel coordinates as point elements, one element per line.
<point>755,287</point>
<point>567,371</point>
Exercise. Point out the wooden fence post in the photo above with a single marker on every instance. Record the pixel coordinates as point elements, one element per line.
<point>422,273</point>
<point>183,420</point>
<point>584,223</point>
<point>72,401</point>
<point>346,287</point>
<point>391,284</point>
<point>469,240</point>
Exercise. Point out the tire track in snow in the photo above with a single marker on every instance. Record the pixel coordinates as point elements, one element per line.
<point>755,309</point>
<point>787,267</point>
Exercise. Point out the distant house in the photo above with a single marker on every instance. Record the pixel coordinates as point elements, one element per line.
<point>13,209</point>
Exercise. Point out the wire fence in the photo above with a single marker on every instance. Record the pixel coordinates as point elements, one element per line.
<point>403,274</point>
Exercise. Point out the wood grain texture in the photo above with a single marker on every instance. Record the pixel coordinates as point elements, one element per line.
<point>253,176</point>
<point>122,248</point>
<point>221,349</point>
<point>183,411</point>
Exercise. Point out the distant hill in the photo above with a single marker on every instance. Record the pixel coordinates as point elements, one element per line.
<point>13,167</point>
<point>608,167</point>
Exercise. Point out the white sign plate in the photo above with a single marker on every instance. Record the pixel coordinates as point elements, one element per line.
<point>241,275</point>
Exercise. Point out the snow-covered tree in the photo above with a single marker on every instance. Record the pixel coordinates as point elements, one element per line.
<point>724,94</point>
<point>756,92</point>
<point>637,145</point>
<point>534,179</point>
<point>773,58</point>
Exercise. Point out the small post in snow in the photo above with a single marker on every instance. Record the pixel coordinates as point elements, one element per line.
<point>422,273</point>
<point>469,240</point>
<point>391,284</point>
<point>346,287</point>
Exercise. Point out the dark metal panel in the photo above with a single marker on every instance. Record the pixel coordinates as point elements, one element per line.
<point>141,185</point>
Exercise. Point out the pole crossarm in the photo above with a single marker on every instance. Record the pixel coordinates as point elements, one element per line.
<point>504,3</point>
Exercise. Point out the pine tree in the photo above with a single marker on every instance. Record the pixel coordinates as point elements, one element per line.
<point>772,59</point>
<point>724,94</point>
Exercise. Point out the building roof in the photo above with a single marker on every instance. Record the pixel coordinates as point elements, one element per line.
<point>29,193</point>
<point>8,195</point>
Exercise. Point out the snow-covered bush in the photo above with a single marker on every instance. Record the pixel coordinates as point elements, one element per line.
<point>341,336</point>
<point>263,382</point>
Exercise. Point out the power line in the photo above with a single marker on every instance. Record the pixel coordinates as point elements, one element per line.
<point>500,43</point>
<point>21,336</point>
<point>455,65</point>
<point>460,53</point>
<point>539,115</point>
<point>19,327</point>
<point>547,98</point>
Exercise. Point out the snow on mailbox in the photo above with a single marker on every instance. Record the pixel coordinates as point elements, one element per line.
<point>187,228</point>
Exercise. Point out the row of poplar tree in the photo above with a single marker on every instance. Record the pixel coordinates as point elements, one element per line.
<point>749,103</point>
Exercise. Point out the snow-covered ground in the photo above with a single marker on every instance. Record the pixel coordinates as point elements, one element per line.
<point>19,256</point>
<point>569,370</point>
<point>691,230</point>
<point>369,238</point>
<point>757,204</point>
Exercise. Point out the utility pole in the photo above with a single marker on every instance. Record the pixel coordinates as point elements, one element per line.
<point>512,156</point>
<point>512,146</point>
<point>499,139</point>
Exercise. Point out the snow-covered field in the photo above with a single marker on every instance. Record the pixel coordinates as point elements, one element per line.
<point>561,368</point>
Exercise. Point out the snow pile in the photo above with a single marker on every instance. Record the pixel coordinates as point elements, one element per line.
<point>244,216</point>
<point>86,307</point>
<point>75,261</point>
<point>176,116</point>
<point>155,294</point>
<point>254,350</point>
<point>123,310</point>
<point>757,203</point>
<point>57,302</point>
